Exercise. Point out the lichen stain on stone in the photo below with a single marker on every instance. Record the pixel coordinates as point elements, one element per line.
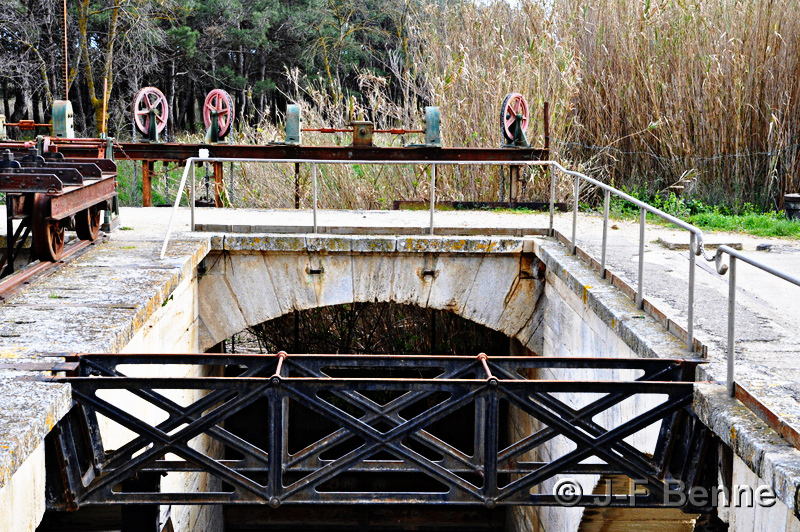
<point>49,421</point>
<point>585,294</point>
<point>456,245</point>
<point>16,353</point>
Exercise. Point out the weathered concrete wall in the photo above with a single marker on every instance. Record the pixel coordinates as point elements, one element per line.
<point>758,518</point>
<point>256,279</point>
<point>572,328</point>
<point>761,456</point>
<point>22,499</point>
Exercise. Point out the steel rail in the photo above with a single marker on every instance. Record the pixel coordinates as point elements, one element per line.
<point>10,284</point>
<point>696,235</point>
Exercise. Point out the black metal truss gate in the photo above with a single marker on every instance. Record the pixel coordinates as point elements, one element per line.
<point>354,429</point>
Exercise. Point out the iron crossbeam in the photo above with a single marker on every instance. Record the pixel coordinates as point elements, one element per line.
<point>180,152</point>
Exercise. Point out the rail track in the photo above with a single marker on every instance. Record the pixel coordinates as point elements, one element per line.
<point>10,284</point>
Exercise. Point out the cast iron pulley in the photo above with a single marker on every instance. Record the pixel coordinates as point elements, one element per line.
<point>150,102</point>
<point>219,105</point>
<point>514,110</point>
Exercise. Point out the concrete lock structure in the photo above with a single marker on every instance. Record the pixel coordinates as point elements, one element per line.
<point>626,388</point>
<point>225,277</point>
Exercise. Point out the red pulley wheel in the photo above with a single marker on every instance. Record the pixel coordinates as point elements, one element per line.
<point>513,104</point>
<point>220,101</point>
<point>147,99</point>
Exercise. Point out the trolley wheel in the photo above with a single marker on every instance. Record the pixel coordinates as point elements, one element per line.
<point>48,235</point>
<point>87,223</point>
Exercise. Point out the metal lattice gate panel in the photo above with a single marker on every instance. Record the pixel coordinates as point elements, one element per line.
<point>355,429</point>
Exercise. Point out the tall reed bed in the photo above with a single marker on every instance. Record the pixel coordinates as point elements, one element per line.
<point>642,94</point>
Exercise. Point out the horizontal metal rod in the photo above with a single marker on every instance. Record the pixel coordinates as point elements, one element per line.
<point>180,152</point>
<point>316,384</point>
<point>760,265</point>
<point>631,500</point>
<point>363,359</point>
<point>373,466</point>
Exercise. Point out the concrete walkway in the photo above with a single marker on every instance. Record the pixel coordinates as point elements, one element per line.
<point>93,303</point>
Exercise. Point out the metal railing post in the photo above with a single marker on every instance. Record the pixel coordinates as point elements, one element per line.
<point>314,201</point>
<point>606,206</point>
<point>577,192</point>
<point>552,197</point>
<point>191,196</point>
<point>731,323</point>
<point>178,196</point>
<point>640,287</point>
<point>433,194</point>
<point>690,310</point>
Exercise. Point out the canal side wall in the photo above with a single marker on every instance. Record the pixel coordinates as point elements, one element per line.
<point>173,328</point>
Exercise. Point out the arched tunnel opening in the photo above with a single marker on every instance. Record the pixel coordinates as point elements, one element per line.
<point>369,329</point>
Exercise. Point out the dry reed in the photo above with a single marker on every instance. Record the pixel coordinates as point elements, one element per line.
<point>642,94</point>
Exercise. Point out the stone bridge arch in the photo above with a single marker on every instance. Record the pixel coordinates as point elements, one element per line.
<point>489,281</point>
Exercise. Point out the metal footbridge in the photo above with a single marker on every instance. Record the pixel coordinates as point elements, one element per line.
<point>362,429</point>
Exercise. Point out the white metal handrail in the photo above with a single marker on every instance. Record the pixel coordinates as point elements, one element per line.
<point>696,236</point>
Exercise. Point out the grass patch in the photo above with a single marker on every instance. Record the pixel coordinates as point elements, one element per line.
<point>164,183</point>
<point>766,224</point>
<point>743,219</point>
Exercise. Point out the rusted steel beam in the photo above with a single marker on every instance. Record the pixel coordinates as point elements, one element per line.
<point>39,366</point>
<point>40,182</point>
<point>785,429</point>
<point>105,165</point>
<point>87,169</point>
<point>181,152</point>
<point>148,169</point>
<point>218,183</point>
<point>79,198</point>
<point>68,176</point>
<point>371,360</point>
<point>177,152</point>
<point>479,205</point>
